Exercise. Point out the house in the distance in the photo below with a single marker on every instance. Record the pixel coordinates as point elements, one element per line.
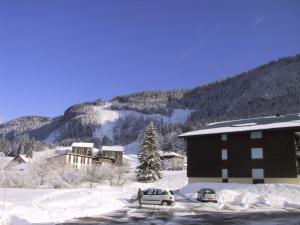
<point>253,150</point>
<point>84,155</point>
<point>20,159</point>
<point>115,152</point>
<point>172,160</point>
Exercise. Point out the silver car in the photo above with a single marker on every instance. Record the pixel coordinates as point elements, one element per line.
<point>158,197</point>
<point>207,195</point>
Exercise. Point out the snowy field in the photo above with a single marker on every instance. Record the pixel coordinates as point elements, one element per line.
<point>40,206</point>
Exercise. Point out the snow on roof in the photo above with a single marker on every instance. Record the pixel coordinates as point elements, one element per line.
<point>232,129</point>
<point>170,154</point>
<point>24,158</point>
<point>116,148</point>
<point>83,144</point>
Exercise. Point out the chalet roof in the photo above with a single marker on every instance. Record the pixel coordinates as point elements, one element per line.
<point>252,124</point>
<point>115,148</point>
<point>24,158</point>
<point>83,144</point>
<point>167,154</point>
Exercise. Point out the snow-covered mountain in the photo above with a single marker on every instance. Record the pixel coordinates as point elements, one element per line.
<point>266,90</point>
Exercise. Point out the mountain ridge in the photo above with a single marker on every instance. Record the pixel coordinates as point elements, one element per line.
<point>266,90</point>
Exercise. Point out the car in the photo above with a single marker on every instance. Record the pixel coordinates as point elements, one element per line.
<point>157,196</point>
<point>207,195</point>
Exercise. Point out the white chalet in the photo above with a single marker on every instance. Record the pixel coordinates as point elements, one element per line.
<point>84,154</point>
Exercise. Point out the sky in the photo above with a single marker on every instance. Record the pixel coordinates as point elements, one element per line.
<point>55,53</point>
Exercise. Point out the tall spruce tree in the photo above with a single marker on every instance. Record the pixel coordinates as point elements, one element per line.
<point>149,168</point>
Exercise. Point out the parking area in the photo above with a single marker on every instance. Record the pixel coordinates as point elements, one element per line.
<point>190,211</point>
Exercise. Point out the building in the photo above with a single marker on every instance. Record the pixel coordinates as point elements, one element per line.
<point>84,155</point>
<point>115,152</point>
<point>172,160</point>
<point>257,150</point>
<point>20,159</point>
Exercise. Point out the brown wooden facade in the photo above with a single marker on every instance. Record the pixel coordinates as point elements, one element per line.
<point>204,154</point>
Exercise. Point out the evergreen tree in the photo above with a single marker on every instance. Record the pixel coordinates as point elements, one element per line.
<point>149,168</point>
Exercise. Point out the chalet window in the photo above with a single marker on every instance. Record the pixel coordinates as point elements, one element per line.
<point>256,153</point>
<point>256,135</point>
<point>224,154</point>
<point>224,137</point>
<point>224,173</point>
<point>258,173</point>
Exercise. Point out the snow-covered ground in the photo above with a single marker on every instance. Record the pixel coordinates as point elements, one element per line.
<point>248,197</point>
<point>23,206</point>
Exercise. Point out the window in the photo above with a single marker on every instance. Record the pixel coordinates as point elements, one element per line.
<point>224,137</point>
<point>159,192</point>
<point>256,153</point>
<point>256,135</point>
<point>149,192</point>
<point>224,154</point>
<point>224,173</point>
<point>258,173</point>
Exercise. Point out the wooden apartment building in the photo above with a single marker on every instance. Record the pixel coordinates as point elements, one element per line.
<point>258,150</point>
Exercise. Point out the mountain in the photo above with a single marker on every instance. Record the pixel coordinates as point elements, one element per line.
<point>266,90</point>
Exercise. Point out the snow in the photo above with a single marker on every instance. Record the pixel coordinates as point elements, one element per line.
<point>5,160</point>
<point>40,206</point>
<point>83,144</point>
<point>26,160</point>
<point>46,206</point>
<point>53,136</point>
<point>249,196</point>
<point>220,130</point>
<point>170,154</point>
<point>116,148</point>
<point>53,205</point>
<point>62,149</point>
<point>107,118</point>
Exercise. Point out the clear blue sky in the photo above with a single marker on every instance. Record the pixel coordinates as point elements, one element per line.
<point>54,53</point>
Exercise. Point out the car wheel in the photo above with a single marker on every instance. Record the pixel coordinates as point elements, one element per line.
<point>164,203</point>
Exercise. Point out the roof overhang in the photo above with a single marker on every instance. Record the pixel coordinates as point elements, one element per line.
<point>236,129</point>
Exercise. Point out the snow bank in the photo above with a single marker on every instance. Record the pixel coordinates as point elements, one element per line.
<point>248,196</point>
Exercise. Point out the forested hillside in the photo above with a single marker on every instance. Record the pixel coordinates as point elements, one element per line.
<point>266,90</point>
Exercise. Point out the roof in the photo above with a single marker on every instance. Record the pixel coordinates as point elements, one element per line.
<point>83,144</point>
<point>24,158</point>
<point>162,154</point>
<point>252,124</point>
<point>115,148</point>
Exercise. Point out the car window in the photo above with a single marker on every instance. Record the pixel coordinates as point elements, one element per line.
<point>172,193</point>
<point>160,192</point>
<point>149,192</point>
